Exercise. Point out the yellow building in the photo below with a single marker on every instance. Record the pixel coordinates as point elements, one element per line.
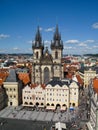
<point>13,89</point>
<point>88,75</point>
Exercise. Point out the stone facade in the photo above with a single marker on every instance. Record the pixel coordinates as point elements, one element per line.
<point>46,65</point>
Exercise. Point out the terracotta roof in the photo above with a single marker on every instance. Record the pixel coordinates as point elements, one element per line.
<point>95,84</point>
<point>33,85</point>
<point>3,74</point>
<point>36,85</point>
<point>24,77</point>
<point>43,86</point>
<point>79,79</point>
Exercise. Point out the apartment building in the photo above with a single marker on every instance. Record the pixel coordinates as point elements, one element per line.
<point>56,94</point>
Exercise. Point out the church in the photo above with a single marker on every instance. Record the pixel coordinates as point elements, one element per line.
<point>45,65</point>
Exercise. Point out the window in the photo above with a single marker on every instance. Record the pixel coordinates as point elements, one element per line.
<point>37,55</point>
<point>56,55</point>
<point>36,70</point>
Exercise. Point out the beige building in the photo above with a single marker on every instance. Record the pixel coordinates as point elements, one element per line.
<point>88,75</point>
<point>13,89</point>
<point>57,94</point>
<point>33,96</point>
<point>46,65</point>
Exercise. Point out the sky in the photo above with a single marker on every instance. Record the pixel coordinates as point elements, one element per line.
<point>77,21</point>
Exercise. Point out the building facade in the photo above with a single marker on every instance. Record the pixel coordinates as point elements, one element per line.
<point>93,104</point>
<point>33,96</point>
<point>46,65</point>
<point>88,75</point>
<point>13,89</point>
<point>56,94</point>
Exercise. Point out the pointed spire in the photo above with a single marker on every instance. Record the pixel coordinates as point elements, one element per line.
<point>57,43</point>
<point>56,34</point>
<point>38,35</point>
<point>38,40</point>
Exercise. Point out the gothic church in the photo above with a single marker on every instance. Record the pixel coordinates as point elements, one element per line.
<point>45,65</point>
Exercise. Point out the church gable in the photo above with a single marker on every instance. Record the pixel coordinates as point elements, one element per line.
<point>46,58</point>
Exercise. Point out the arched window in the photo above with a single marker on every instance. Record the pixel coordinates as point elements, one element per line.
<point>42,104</point>
<point>31,103</point>
<point>37,103</point>
<point>56,55</point>
<point>48,104</point>
<point>46,75</point>
<point>73,104</point>
<point>26,103</point>
<point>37,55</point>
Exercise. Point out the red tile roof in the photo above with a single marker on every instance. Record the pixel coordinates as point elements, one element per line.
<point>95,84</point>
<point>24,77</point>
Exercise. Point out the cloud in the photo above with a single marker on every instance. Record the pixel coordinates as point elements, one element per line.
<point>40,28</point>
<point>95,25</point>
<point>49,29</point>
<point>47,42</point>
<point>3,36</point>
<point>69,47</point>
<point>30,49</point>
<point>29,41</point>
<point>72,41</point>
<point>95,46</point>
<point>16,48</point>
<point>82,44</point>
<point>89,41</point>
<point>2,51</point>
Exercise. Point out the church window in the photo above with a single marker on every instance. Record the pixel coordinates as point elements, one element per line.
<point>37,55</point>
<point>46,74</point>
<point>56,55</point>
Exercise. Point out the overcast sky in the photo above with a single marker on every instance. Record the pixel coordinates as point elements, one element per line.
<point>77,21</point>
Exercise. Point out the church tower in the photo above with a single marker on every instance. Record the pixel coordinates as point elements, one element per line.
<point>38,48</point>
<point>57,50</point>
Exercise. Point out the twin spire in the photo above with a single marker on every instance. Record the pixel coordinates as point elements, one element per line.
<point>56,39</point>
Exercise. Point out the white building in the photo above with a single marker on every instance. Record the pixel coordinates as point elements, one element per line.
<point>33,96</point>
<point>57,94</point>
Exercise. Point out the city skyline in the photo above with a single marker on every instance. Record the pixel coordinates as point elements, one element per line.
<point>77,21</point>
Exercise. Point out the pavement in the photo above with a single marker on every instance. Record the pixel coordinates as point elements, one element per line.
<point>18,118</point>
